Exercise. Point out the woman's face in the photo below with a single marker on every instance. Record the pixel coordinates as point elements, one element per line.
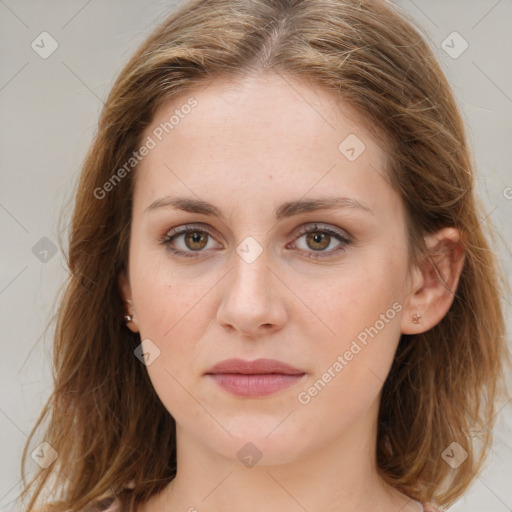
<point>249,282</point>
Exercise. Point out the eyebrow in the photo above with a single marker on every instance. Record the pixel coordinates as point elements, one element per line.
<point>285,210</point>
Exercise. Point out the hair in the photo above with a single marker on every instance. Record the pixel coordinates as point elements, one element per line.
<point>106,422</point>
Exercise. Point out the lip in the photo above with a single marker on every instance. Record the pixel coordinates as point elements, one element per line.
<point>258,366</point>
<point>257,378</point>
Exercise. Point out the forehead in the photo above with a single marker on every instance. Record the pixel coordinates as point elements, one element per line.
<point>269,134</point>
<point>260,106</point>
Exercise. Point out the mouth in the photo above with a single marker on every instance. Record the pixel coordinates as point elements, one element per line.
<point>257,378</point>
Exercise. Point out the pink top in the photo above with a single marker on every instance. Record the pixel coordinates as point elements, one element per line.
<point>114,505</point>
<point>109,503</point>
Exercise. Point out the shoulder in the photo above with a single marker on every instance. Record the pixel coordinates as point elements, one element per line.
<point>110,504</point>
<point>429,507</point>
<point>107,502</point>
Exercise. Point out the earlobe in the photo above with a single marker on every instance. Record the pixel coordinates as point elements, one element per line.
<point>436,282</point>
<point>125,291</point>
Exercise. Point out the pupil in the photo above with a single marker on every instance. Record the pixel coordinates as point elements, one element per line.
<point>195,238</point>
<point>320,239</point>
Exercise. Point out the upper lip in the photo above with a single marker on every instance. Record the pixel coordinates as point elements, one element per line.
<point>258,366</point>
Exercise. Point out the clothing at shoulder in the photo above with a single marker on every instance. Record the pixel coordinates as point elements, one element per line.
<point>115,505</point>
<point>429,507</point>
<point>98,505</point>
<point>110,504</point>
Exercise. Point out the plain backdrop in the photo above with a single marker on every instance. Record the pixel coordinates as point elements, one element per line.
<point>49,108</point>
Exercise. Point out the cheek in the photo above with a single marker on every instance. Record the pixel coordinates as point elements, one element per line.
<point>355,296</point>
<point>351,369</point>
<point>362,308</point>
<point>172,315</point>
<point>174,310</point>
<point>166,297</point>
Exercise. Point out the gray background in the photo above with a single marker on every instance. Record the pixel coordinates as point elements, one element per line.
<point>49,111</point>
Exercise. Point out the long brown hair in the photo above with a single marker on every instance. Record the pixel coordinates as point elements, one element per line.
<point>105,420</point>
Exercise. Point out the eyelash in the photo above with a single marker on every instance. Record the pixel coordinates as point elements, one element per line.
<point>183,230</point>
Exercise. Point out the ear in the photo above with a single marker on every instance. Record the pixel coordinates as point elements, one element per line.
<point>434,282</point>
<point>126,295</point>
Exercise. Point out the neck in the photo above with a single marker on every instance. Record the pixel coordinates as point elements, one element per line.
<point>339,475</point>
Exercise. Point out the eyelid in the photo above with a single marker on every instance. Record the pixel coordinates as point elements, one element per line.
<point>183,228</point>
<point>322,227</point>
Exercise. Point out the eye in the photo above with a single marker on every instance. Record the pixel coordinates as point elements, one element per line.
<point>195,239</point>
<point>319,239</point>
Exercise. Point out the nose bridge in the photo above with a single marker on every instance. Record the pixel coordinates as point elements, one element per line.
<point>250,298</point>
<point>252,255</point>
<point>251,273</point>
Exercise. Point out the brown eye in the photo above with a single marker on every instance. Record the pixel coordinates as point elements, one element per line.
<point>318,241</point>
<point>196,240</point>
<point>192,240</point>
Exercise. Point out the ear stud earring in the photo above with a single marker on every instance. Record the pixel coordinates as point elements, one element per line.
<point>128,318</point>
<point>416,318</point>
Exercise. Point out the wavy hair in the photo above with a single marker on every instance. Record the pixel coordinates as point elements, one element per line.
<point>103,417</point>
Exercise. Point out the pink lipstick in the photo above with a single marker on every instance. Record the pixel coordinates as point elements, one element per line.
<point>257,378</point>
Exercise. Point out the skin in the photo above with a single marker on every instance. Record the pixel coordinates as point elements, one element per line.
<point>247,147</point>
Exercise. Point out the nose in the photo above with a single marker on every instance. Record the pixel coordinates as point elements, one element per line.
<point>253,301</point>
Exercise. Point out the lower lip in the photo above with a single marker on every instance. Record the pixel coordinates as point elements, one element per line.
<point>255,385</point>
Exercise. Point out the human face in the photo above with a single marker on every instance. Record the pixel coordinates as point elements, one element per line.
<point>249,285</point>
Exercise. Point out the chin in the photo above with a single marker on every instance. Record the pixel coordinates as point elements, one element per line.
<point>257,440</point>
